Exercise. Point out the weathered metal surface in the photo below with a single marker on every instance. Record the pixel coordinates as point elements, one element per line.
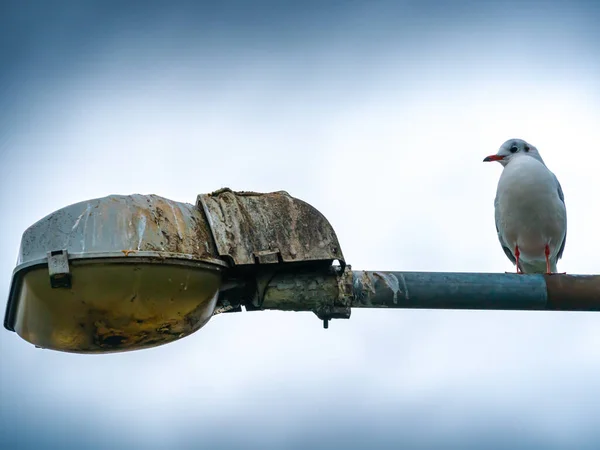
<point>573,292</point>
<point>122,226</point>
<point>322,293</point>
<point>449,290</point>
<point>431,290</point>
<point>253,228</point>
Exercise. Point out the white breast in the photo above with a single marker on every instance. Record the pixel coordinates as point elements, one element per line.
<point>530,213</point>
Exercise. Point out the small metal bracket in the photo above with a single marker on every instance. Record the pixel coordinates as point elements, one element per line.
<point>58,269</point>
<point>267,256</point>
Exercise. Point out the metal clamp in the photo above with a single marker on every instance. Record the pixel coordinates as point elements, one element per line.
<point>58,269</point>
<point>340,307</point>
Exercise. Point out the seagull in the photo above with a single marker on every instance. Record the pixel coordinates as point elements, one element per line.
<point>531,218</point>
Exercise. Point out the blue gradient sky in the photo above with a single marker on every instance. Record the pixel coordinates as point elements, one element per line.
<point>378,113</point>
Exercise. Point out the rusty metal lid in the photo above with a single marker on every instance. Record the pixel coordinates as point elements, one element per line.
<point>268,228</point>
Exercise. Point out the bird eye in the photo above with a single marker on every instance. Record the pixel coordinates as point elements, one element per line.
<point>514,149</point>
<point>527,148</point>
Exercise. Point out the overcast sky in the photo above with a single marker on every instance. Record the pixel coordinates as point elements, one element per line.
<point>379,114</point>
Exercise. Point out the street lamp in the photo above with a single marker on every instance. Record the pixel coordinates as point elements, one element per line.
<point>129,272</point>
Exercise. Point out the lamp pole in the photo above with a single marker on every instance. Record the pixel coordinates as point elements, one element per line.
<point>329,296</point>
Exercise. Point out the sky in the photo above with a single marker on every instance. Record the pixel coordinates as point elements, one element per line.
<point>379,114</point>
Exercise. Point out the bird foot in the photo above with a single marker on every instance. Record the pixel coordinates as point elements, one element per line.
<point>518,273</point>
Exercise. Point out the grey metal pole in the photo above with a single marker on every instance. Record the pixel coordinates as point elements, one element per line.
<point>438,290</point>
<point>329,296</point>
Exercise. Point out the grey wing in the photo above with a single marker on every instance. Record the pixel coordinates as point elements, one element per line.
<point>505,247</point>
<point>562,199</point>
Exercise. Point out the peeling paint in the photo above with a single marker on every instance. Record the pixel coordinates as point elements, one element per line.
<point>79,218</point>
<point>406,294</point>
<point>141,230</point>
<point>362,287</point>
<point>94,234</point>
<point>176,221</point>
<point>88,210</point>
<point>392,282</point>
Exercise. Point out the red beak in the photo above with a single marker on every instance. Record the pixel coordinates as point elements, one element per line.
<point>493,158</point>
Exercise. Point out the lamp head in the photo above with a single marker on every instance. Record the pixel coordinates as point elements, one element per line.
<point>114,274</point>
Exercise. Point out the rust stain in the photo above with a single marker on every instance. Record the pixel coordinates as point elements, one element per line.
<point>169,227</point>
<point>573,292</point>
<point>122,333</point>
<point>367,281</point>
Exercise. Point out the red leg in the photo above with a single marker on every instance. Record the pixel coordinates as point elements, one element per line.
<point>547,252</point>
<point>517,254</point>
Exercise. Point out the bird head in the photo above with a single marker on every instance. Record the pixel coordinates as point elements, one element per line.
<point>514,148</point>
